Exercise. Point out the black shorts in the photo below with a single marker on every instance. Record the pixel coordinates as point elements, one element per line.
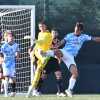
<point>1,70</point>
<point>52,66</point>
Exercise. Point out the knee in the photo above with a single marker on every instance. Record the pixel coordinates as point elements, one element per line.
<point>39,69</point>
<point>44,75</point>
<point>58,75</point>
<point>75,74</point>
<point>74,71</point>
<point>6,78</point>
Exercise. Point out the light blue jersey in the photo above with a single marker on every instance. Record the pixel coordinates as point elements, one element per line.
<point>9,52</point>
<point>74,43</point>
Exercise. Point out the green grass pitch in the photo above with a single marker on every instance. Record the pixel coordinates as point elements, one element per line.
<point>53,97</point>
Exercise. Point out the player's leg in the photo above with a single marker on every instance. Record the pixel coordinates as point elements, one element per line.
<point>71,65</point>
<point>38,72</point>
<point>57,53</point>
<point>36,79</point>
<point>6,72</point>
<point>72,80</point>
<point>39,56</point>
<point>42,78</point>
<point>1,79</point>
<point>12,79</point>
<point>59,82</point>
<point>48,53</point>
<point>40,65</point>
<point>58,75</point>
<point>53,66</point>
<point>1,73</point>
<point>37,91</point>
<point>6,86</point>
<point>2,85</point>
<point>12,82</point>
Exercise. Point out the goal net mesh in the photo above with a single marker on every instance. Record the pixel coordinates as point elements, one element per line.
<point>20,20</point>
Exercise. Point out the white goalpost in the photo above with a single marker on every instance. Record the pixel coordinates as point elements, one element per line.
<point>21,21</point>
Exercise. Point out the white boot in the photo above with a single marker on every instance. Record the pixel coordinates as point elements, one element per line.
<point>68,92</point>
<point>35,92</point>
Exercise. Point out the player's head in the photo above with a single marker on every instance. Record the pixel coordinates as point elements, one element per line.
<point>42,26</point>
<point>1,58</point>
<point>5,34</point>
<point>54,33</point>
<point>78,28</point>
<point>9,36</point>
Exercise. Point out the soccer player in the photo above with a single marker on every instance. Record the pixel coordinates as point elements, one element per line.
<point>1,61</point>
<point>31,51</point>
<point>43,43</point>
<point>1,72</point>
<point>10,50</point>
<point>73,42</point>
<point>55,42</point>
<point>53,65</point>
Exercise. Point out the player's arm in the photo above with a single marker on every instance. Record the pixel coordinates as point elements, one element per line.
<point>96,39</point>
<point>61,43</point>
<point>31,48</point>
<point>17,54</point>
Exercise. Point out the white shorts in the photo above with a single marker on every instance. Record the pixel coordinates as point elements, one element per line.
<point>9,71</point>
<point>67,58</point>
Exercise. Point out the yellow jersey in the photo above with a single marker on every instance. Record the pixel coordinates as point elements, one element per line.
<point>44,41</point>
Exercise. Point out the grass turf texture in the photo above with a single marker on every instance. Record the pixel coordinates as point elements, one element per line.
<point>54,97</point>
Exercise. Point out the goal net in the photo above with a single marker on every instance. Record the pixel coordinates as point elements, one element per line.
<point>21,21</point>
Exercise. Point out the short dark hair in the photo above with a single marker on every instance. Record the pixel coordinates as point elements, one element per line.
<point>1,55</point>
<point>80,26</point>
<point>43,22</point>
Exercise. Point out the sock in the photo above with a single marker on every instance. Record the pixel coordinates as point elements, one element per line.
<point>60,85</point>
<point>13,87</point>
<point>2,85</point>
<point>36,77</point>
<point>72,82</point>
<point>29,90</point>
<point>40,85</point>
<point>5,87</point>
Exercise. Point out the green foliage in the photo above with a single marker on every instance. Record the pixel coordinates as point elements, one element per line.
<point>63,14</point>
<point>9,2</point>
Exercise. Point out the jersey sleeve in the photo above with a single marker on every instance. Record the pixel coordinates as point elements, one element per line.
<point>87,37</point>
<point>2,48</point>
<point>66,37</point>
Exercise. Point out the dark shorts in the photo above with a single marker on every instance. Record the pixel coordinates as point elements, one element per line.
<point>1,70</point>
<point>52,66</point>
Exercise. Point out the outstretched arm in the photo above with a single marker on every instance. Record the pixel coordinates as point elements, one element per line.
<point>96,39</point>
<point>60,43</point>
